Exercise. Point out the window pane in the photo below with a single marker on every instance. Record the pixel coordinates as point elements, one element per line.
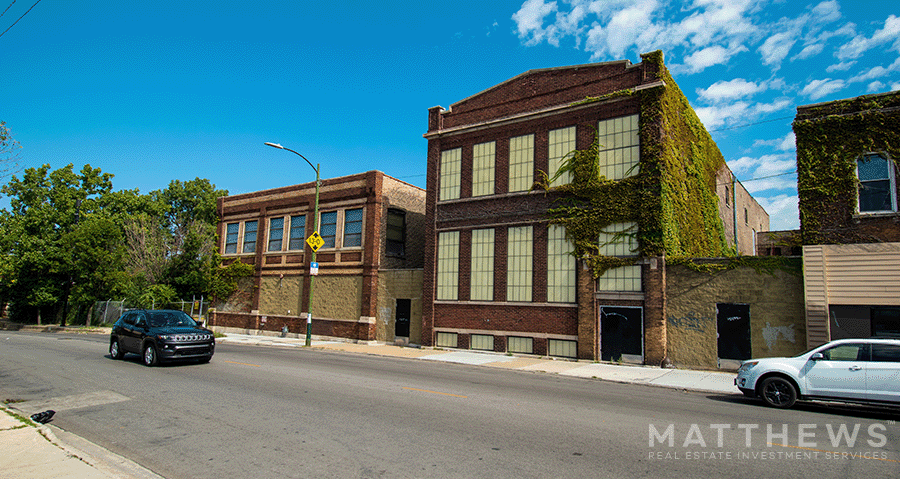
<point>521,163</point>
<point>561,142</point>
<point>483,169</point>
<point>276,232</point>
<point>396,232</point>
<point>872,167</point>
<point>619,147</point>
<point>451,163</point>
<point>885,353</point>
<point>353,227</point>
<point>231,238</point>
<point>298,231</point>
<point>328,228</point>
<point>250,237</point>
<point>519,264</point>
<point>448,265</point>
<point>846,352</point>
<point>482,284</point>
<point>560,266</point>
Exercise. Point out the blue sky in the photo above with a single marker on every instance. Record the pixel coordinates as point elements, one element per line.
<point>155,91</point>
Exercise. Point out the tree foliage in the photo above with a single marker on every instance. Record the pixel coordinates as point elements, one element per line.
<point>67,238</point>
<point>9,157</point>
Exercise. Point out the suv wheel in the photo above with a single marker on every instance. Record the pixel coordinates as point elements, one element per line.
<point>115,350</point>
<point>149,355</point>
<point>778,392</point>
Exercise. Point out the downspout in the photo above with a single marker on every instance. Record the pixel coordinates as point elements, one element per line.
<point>734,222</point>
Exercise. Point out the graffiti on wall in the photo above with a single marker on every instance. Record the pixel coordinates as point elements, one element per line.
<point>771,334</point>
<point>690,321</point>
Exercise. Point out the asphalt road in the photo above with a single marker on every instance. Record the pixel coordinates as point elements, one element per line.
<point>269,412</point>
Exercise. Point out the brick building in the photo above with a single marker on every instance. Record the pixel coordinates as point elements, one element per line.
<point>847,175</point>
<point>369,282</point>
<point>499,275</point>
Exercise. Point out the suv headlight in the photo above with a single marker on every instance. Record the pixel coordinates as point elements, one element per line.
<point>747,366</point>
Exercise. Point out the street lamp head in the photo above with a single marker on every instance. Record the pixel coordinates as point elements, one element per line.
<point>275,145</point>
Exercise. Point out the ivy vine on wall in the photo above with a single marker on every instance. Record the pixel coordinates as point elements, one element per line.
<point>672,198</point>
<point>830,138</point>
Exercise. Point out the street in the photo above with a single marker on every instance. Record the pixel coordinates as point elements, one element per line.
<point>270,412</point>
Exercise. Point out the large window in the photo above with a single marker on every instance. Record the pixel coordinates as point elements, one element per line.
<point>521,163</point>
<point>620,239</point>
<point>483,168</point>
<point>276,233</point>
<point>560,266</point>
<point>619,140</point>
<point>328,229</point>
<point>250,228</point>
<point>451,164</point>
<point>396,232</point>
<point>298,231</point>
<point>482,284</point>
<point>561,142</point>
<point>877,190</point>
<point>448,265</point>
<point>519,264</point>
<point>353,221</point>
<point>231,237</point>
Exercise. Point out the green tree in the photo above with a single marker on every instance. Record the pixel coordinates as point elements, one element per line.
<point>9,158</point>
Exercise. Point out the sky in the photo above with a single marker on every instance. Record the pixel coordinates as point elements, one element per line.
<point>157,91</point>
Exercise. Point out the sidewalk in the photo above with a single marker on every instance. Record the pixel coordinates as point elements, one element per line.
<point>36,451</point>
<point>685,379</point>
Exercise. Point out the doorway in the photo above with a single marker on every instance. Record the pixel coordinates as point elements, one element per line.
<point>733,329</point>
<point>401,321</point>
<point>622,334</point>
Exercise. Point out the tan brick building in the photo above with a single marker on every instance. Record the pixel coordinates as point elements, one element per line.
<point>369,282</point>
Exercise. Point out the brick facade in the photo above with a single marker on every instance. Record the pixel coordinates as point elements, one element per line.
<point>346,299</point>
<point>536,103</point>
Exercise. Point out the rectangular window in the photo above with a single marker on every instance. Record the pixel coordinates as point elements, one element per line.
<point>521,163</point>
<point>446,340</point>
<point>396,232</point>
<point>562,348</point>
<point>451,164</point>
<point>623,278</point>
<point>482,284</point>
<point>483,168</point>
<point>353,220</point>
<point>276,233</point>
<point>231,237</point>
<point>519,264</point>
<point>328,228</point>
<point>520,345</point>
<point>298,231</point>
<point>876,184</point>
<point>562,142</point>
<point>483,342</point>
<point>448,265</point>
<point>619,140</point>
<point>560,266</point>
<point>619,239</point>
<point>250,236</point>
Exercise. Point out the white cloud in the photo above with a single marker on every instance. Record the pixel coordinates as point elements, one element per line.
<point>743,164</point>
<point>860,44</point>
<point>530,20</point>
<point>809,51</point>
<point>730,90</point>
<point>740,112</point>
<point>707,57</point>
<point>875,86</point>
<point>827,12</point>
<point>840,67</point>
<point>876,72</point>
<point>785,143</point>
<point>895,86</point>
<point>776,47</point>
<point>784,214</point>
<point>818,88</point>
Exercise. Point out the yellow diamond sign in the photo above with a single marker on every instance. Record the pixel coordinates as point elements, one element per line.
<point>315,241</point>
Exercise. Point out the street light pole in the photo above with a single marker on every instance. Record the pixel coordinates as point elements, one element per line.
<point>312,277</point>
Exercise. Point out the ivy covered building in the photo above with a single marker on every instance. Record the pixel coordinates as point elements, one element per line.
<point>847,173</point>
<point>606,163</point>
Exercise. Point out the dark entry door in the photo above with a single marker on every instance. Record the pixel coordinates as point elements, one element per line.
<point>621,332</point>
<point>401,327</point>
<point>733,322</point>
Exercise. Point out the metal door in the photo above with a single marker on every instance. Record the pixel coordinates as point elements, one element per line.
<point>621,332</point>
<point>401,325</point>
<point>733,327</point>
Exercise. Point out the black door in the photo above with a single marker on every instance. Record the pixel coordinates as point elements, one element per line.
<point>733,322</point>
<point>621,332</point>
<point>401,327</point>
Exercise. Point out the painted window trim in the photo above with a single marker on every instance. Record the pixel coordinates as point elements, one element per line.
<point>892,183</point>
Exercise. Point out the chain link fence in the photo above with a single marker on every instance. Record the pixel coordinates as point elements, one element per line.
<point>107,312</point>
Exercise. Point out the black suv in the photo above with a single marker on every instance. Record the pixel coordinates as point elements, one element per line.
<point>160,335</point>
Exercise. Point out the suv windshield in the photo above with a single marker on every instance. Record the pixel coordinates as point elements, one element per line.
<point>159,319</point>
